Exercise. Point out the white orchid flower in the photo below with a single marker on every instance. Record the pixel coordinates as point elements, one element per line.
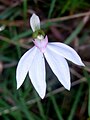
<point>33,61</point>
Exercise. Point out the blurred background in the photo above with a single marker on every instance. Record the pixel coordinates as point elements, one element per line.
<point>66,21</point>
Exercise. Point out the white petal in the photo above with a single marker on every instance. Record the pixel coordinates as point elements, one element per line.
<point>67,52</point>
<point>37,74</point>
<point>59,66</point>
<point>35,22</point>
<point>24,65</point>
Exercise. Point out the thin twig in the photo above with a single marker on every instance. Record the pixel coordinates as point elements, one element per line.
<point>12,23</point>
<point>20,22</point>
<point>12,64</point>
<point>68,17</point>
<point>14,42</point>
<point>74,72</point>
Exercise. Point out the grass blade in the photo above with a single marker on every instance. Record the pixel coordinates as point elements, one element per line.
<point>88,80</point>
<point>76,31</point>
<point>57,110</point>
<point>51,8</point>
<point>25,10</point>
<point>73,109</point>
<point>40,108</point>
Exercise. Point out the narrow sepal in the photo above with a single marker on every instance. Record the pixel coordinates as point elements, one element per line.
<point>24,65</point>
<point>67,52</point>
<point>37,74</point>
<point>59,67</point>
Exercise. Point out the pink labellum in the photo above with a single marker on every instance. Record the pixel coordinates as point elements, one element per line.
<point>41,44</point>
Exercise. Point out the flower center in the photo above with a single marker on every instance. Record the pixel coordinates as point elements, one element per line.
<point>39,34</point>
<point>40,37</point>
<point>41,44</point>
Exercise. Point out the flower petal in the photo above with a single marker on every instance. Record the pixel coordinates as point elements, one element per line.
<point>59,66</point>
<point>35,22</point>
<point>37,73</point>
<point>24,65</point>
<point>67,52</point>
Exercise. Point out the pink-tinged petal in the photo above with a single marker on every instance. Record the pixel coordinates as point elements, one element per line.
<point>35,22</point>
<point>37,74</point>
<point>67,52</point>
<point>41,44</point>
<point>24,65</point>
<point>59,67</point>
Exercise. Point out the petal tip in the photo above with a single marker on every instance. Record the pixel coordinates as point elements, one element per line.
<point>83,65</point>
<point>34,16</point>
<point>18,86</point>
<point>42,96</point>
<point>68,87</point>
